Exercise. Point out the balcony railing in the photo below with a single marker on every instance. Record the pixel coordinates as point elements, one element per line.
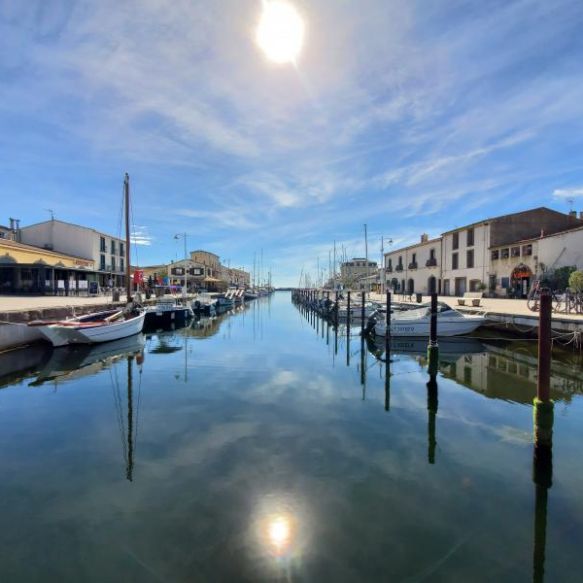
<point>399,268</point>
<point>431,262</point>
<point>413,265</point>
<point>389,270</point>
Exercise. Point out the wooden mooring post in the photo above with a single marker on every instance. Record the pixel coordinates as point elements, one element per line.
<point>543,405</point>
<point>388,355</point>
<point>363,297</point>
<point>348,316</point>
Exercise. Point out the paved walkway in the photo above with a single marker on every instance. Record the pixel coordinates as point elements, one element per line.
<point>496,305</point>
<point>25,303</point>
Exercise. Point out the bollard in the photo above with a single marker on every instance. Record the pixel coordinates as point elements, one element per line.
<point>388,325</point>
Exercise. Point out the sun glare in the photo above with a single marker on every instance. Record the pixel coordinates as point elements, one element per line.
<point>280,33</point>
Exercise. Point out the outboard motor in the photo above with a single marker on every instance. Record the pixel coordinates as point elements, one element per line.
<point>370,324</point>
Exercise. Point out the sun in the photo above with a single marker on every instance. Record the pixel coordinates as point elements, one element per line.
<point>280,33</point>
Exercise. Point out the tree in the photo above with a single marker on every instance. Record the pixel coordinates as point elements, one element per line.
<point>559,278</point>
<point>576,281</point>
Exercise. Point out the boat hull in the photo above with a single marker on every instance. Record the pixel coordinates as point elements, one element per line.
<point>167,318</point>
<point>62,335</point>
<point>413,328</point>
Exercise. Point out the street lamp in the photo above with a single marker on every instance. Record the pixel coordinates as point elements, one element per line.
<point>185,287</point>
<point>383,267</point>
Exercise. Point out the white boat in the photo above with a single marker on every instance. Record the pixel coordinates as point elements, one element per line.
<point>356,310</point>
<point>93,328</point>
<point>204,303</point>
<point>167,311</point>
<point>416,322</point>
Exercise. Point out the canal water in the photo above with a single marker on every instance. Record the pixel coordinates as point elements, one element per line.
<point>266,445</point>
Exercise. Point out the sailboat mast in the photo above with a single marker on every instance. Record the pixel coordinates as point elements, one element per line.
<point>130,461</point>
<point>366,258</point>
<point>126,192</point>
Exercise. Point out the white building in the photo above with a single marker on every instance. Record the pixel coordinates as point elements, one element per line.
<point>416,268</point>
<point>107,252</point>
<point>467,263</point>
<point>515,266</point>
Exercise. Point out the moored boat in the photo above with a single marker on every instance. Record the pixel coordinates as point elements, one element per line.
<point>416,322</point>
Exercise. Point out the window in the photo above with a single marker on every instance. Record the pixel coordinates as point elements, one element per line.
<point>515,252</point>
<point>527,250</point>
<point>122,249</point>
<point>505,253</point>
<point>432,254</point>
<point>454,261</point>
<point>113,264</point>
<point>456,241</point>
<point>2,235</point>
<point>102,244</point>
<point>495,254</point>
<point>505,282</point>
<point>470,237</point>
<point>112,247</point>
<point>470,258</point>
<point>102,262</point>
<point>389,263</point>
<point>414,258</point>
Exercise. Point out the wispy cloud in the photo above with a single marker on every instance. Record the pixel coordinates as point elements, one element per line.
<point>568,193</point>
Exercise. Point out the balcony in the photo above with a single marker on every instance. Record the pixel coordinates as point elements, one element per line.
<point>432,262</point>
<point>399,268</point>
<point>413,265</point>
<point>389,269</point>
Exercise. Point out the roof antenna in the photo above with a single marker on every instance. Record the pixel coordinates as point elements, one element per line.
<point>52,214</point>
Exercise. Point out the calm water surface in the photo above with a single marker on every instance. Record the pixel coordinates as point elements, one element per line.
<point>262,445</point>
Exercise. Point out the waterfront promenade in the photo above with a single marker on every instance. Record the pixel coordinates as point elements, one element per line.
<point>27,303</point>
<point>490,305</point>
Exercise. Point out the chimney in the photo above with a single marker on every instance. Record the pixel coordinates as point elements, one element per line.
<point>424,238</point>
<point>573,214</point>
<point>11,224</point>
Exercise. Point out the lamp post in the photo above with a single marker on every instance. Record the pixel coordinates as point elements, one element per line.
<point>185,287</point>
<point>383,267</point>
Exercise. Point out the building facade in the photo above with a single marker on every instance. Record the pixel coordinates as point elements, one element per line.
<point>25,269</point>
<point>414,269</point>
<point>354,270</point>
<point>105,251</point>
<point>515,266</point>
<point>467,252</point>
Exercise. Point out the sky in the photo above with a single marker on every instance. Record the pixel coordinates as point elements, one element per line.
<point>409,116</point>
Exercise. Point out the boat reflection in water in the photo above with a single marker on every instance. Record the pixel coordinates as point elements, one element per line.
<point>75,361</point>
<point>23,363</point>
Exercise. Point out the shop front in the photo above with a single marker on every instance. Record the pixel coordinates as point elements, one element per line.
<point>521,280</point>
<point>25,269</point>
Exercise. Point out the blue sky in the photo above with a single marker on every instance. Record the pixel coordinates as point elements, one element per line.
<point>408,116</point>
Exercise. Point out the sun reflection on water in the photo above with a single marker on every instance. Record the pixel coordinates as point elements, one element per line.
<point>278,529</point>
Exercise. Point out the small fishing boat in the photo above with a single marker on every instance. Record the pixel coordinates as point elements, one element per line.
<point>205,304</point>
<point>370,308</point>
<point>167,311</point>
<point>250,295</point>
<point>416,322</point>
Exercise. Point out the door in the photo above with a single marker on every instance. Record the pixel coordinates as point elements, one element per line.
<point>460,286</point>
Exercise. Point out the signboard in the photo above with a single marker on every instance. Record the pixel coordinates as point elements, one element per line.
<point>61,284</point>
<point>83,284</point>
<point>138,276</point>
<point>93,287</point>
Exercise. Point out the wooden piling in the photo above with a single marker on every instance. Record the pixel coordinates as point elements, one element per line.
<point>363,296</point>
<point>543,405</point>
<point>348,316</point>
